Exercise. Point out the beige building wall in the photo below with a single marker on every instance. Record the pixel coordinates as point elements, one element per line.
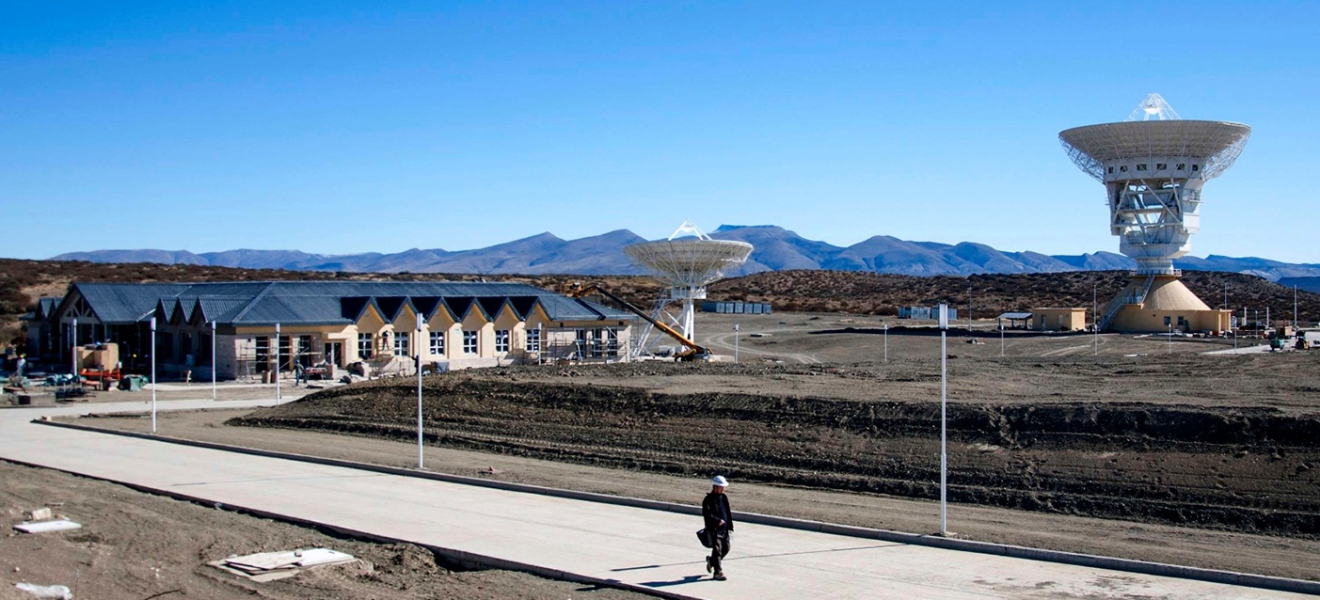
<point>1137,318</point>
<point>1058,319</point>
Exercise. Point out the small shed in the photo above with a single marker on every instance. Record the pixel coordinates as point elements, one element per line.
<point>1015,320</point>
<point>1059,319</point>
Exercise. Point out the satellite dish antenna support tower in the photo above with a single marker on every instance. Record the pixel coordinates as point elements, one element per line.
<point>686,262</point>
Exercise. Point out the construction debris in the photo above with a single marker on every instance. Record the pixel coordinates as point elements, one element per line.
<point>55,592</point>
<point>47,526</point>
<point>270,566</point>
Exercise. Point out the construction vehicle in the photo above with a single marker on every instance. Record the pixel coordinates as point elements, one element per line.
<point>693,351</point>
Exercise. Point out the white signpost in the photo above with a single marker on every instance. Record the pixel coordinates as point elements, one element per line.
<point>886,342</point>
<point>153,375</point>
<point>420,456</point>
<point>944,438</point>
<point>213,397</point>
<point>735,342</point>
<point>277,363</point>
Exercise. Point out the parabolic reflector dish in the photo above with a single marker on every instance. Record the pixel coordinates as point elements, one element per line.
<point>689,262</point>
<point>1216,143</point>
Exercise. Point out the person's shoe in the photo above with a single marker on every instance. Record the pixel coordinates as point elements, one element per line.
<point>709,567</point>
<point>719,576</point>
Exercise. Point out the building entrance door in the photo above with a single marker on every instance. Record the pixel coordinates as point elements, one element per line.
<point>334,353</point>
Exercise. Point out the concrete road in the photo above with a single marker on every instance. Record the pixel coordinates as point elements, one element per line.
<point>648,548</point>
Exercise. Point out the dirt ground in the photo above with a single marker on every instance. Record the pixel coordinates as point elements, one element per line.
<point>1274,555</point>
<point>1151,450</point>
<point>134,546</point>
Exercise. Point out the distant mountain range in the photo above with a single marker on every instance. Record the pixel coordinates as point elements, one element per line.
<point>776,249</point>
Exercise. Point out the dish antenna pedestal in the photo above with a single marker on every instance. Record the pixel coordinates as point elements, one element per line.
<point>1153,166</point>
<point>686,263</point>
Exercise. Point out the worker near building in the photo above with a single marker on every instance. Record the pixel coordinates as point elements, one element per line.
<point>719,525</point>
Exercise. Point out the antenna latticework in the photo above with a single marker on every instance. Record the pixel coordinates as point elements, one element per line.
<point>688,261</point>
<point>1216,143</point>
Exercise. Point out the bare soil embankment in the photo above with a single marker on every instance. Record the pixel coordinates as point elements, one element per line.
<point>1019,437</point>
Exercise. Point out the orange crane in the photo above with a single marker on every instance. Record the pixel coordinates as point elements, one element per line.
<point>694,350</point>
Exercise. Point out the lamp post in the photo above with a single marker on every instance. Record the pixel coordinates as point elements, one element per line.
<point>1095,319</point>
<point>1170,347</point>
<point>735,343</point>
<point>213,396</point>
<point>277,363</point>
<point>73,350</point>
<point>1001,339</point>
<point>944,438</point>
<point>420,455</point>
<point>153,375</point>
<point>886,342</point>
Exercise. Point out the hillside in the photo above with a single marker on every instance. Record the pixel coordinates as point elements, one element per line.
<point>24,281</point>
<point>775,249</point>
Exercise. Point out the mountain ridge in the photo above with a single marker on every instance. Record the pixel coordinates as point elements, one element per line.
<point>776,249</point>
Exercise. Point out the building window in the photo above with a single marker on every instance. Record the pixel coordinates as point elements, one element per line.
<point>305,350</point>
<point>438,343</point>
<point>597,336</point>
<point>401,345</point>
<point>1196,167</point>
<point>1123,169</point>
<point>470,342</point>
<point>262,352</point>
<point>533,340</point>
<point>364,345</point>
<point>612,342</point>
<point>1111,170</point>
<point>1182,166</point>
<point>580,338</point>
<point>1182,321</point>
<point>1141,167</point>
<point>501,340</point>
<point>286,353</point>
<point>1161,167</point>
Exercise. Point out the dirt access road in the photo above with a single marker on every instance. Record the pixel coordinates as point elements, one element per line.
<point>846,338</point>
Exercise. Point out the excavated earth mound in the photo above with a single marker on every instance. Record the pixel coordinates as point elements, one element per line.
<point>1251,468</point>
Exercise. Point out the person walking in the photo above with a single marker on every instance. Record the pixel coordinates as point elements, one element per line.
<point>719,525</point>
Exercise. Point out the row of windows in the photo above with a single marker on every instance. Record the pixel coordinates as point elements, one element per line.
<point>403,346</point>
<point>1158,167</point>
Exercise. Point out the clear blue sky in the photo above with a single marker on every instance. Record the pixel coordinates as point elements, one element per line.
<point>328,127</point>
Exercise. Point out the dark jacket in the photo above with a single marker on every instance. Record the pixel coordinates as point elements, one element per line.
<point>714,508</point>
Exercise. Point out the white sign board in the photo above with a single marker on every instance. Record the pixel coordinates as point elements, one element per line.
<point>944,316</point>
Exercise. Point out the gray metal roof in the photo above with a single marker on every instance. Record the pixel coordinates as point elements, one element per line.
<point>123,303</point>
<point>327,302</point>
<point>1015,315</point>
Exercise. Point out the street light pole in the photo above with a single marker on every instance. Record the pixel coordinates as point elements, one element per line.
<point>213,396</point>
<point>73,351</point>
<point>1001,339</point>
<point>886,342</point>
<point>277,363</point>
<point>944,438</point>
<point>153,375</point>
<point>1095,319</point>
<point>420,454</point>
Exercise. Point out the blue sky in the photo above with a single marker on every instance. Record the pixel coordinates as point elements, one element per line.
<point>329,127</point>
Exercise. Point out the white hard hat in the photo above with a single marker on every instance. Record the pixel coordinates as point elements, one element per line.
<point>719,480</point>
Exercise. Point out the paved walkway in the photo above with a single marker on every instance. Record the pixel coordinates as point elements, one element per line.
<point>638,546</point>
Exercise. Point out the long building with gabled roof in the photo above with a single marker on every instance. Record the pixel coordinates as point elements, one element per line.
<point>329,324</point>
